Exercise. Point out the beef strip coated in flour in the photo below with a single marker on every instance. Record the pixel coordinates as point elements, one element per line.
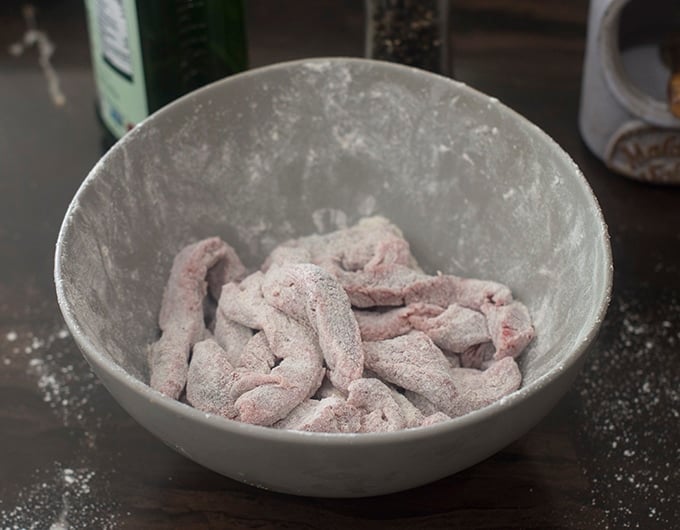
<point>209,380</point>
<point>455,330</point>
<point>372,242</point>
<point>257,355</point>
<point>387,323</point>
<point>510,327</point>
<point>402,349</point>
<point>479,356</point>
<point>300,370</point>
<point>414,363</point>
<point>214,384</point>
<point>380,412</point>
<point>395,285</point>
<point>478,389</point>
<point>433,419</point>
<point>331,414</point>
<point>312,296</point>
<point>231,336</point>
<point>327,389</point>
<point>181,318</point>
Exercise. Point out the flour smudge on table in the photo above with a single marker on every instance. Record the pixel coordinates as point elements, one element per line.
<point>63,380</point>
<point>61,498</point>
<point>631,412</point>
<point>65,494</point>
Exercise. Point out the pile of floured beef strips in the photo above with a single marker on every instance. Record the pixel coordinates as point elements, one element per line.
<point>340,332</point>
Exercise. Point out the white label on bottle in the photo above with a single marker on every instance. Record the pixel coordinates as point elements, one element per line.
<point>114,36</point>
<point>117,63</point>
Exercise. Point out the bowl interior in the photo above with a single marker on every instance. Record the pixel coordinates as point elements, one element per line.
<point>311,146</point>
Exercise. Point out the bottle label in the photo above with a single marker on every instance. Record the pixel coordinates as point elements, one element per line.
<point>117,63</point>
<point>115,44</point>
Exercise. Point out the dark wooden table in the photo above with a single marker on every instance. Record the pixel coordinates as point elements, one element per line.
<point>606,457</point>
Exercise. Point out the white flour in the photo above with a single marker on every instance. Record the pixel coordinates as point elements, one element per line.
<point>66,386</point>
<point>60,496</point>
<point>630,404</point>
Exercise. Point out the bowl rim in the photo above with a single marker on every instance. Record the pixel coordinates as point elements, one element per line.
<point>113,370</point>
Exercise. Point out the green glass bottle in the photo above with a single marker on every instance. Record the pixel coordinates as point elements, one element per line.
<point>146,53</point>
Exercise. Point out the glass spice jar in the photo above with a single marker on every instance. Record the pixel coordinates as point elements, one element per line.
<point>411,32</point>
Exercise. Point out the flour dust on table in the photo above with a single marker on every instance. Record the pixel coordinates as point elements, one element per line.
<point>61,495</point>
<point>631,408</point>
<point>60,498</point>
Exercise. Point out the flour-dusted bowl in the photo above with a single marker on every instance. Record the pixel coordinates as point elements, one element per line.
<point>308,146</point>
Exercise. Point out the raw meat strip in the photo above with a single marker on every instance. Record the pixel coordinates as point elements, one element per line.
<point>331,414</point>
<point>374,264</point>
<point>254,366</point>
<point>371,242</point>
<point>435,418</point>
<point>381,286</point>
<point>257,356</point>
<point>370,374</point>
<point>328,390</point>
<point>453,358</point>
<point>478,356</point>
<point>181,316</point>
<point>213,384</point>
<point>312,296</point>
<point>374,241</point>
<point>243,302</point>
<point>456,329</point>
<point>412,416</point>
<point>209,380</point>
<point>427,410</point>
<point>424,405</point>
<point>391,285</point>
<point>476,388</point>
<point>510,327</point>
<point>228,269</point>
<point>479,389</point>
<point>381,413</point>
<point>232,336</point>
<point>283,255</point>
<point>473,293</point>
<point>414,363</point>
<point>300,371</point>
<point>384,324</point>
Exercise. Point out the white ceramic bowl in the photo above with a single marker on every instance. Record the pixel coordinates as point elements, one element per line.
<point>298,147</point>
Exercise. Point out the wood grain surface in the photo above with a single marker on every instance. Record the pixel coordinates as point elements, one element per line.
<point>605,457</point>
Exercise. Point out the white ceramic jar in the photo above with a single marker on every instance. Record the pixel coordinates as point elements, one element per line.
<point>624,116</point>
